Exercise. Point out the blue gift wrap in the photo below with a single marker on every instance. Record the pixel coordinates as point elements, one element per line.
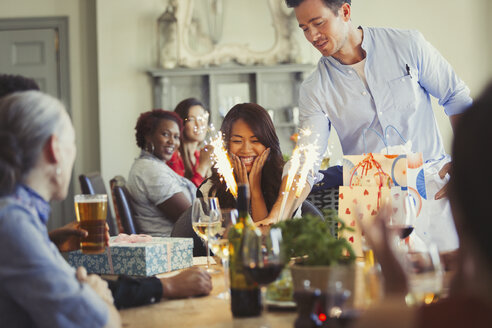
<point>138,259</point>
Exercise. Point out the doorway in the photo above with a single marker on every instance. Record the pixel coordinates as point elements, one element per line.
<point>38,48</point>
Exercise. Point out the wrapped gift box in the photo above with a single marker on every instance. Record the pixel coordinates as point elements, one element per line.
<point>138,259</point>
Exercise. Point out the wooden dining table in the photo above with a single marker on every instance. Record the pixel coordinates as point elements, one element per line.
<point>206,311</point>
<point>215,311</point>
<point>209,311</point>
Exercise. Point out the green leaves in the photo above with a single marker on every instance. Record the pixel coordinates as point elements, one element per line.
<point>314,241</point>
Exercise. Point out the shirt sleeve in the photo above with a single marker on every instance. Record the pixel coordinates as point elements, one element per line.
<point>36,277</point>
<point>438,77</point>
<point>129,292</point>
<point>312,118</point>
<point>159,182</point>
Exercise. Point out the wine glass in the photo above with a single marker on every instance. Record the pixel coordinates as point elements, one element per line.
<point>403,218</point>
<point>219,244</point>
<point>263,257</point>
<point>206,221</point>
<point>424,274</point>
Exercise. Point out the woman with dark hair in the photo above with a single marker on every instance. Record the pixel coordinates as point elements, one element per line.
<point>159,195</point>
<point>190,161</point>
<point>254,148</point>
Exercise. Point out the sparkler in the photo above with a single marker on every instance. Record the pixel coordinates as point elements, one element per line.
<point>310,157</point>
<point>295,162</point>
<point>223,164</point>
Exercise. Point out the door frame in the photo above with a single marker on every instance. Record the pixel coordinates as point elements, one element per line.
<point>60,25</point>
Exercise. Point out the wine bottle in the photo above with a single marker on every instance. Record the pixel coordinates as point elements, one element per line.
<point>245,293</point>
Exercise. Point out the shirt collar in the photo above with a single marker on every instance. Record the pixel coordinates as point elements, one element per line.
<point>147,155</point>
<point>365,45</point>
<point>32,198</point>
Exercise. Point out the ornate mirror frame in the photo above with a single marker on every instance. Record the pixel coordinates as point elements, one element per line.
<point>283,50</point>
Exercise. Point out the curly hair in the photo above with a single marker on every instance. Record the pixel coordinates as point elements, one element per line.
<point>147,124</point>
<point>334,5</point>
<point>262,126</point>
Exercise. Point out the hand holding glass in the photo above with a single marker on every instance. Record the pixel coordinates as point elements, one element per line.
<point>425,276</point>
<point>91,211</point>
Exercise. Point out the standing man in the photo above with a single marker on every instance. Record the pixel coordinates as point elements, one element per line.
<point>373,78</point>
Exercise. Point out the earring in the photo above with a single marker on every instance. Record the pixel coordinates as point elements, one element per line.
<point>58,171</point>
<point>151,151</point>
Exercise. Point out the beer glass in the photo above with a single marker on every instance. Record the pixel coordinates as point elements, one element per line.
<point>91,212</point>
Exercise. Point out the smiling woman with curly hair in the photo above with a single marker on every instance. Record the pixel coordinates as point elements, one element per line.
<point>158,194</point>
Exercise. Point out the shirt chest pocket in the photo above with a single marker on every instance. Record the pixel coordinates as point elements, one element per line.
<point>404,91</point>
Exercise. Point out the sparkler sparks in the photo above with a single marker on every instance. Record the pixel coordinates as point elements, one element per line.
<point>294,166</point>
<point>223,164</point>
<point>309,157</point>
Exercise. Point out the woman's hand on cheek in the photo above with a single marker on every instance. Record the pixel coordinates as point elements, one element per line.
<point>256,170</point>
<point>240,170</point>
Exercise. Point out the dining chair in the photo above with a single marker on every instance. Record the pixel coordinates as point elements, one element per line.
<point>122,205</point>
<point>91,184</point>
<point>309,208</point>
<point>183,228</point>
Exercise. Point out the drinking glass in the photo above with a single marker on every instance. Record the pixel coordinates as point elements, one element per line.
<point>263,257</point>
<point>206,221</point>
<point>91,211</point>
<point>401,222</point>
<point>219,244</point>
<point>425,275</point>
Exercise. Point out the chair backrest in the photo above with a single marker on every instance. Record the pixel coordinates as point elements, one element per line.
<point>123,207</point>
<point>326,198</point>
<point>308,208</point>
<point>183,228</point>
<point>91,184</point>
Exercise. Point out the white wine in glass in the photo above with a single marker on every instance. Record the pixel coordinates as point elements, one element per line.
<point>205,219</point>
<point>219,244</point>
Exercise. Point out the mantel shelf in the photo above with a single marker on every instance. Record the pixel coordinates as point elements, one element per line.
<point>235,69</point>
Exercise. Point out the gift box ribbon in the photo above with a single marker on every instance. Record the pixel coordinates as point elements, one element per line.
<point>123,238</point>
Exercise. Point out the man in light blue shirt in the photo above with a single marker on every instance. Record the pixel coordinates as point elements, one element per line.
<point>372,78</point>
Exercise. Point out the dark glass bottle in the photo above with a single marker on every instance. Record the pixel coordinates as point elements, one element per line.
<point>245,293</point>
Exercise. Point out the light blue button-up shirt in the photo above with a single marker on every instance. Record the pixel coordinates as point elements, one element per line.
<point>37,286</point>
<point>402,70</point>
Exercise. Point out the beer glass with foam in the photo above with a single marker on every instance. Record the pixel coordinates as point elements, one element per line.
<point>91,212</point>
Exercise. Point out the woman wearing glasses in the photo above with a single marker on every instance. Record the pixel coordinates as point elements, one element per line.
<point>191,161</point>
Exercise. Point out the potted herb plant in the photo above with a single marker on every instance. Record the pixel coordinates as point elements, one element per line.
<point>319,256</point>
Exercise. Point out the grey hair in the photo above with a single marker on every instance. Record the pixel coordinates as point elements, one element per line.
<point>27,120</point>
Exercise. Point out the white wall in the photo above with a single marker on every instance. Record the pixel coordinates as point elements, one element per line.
<point>83,80</point>
<point>126,38</point>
